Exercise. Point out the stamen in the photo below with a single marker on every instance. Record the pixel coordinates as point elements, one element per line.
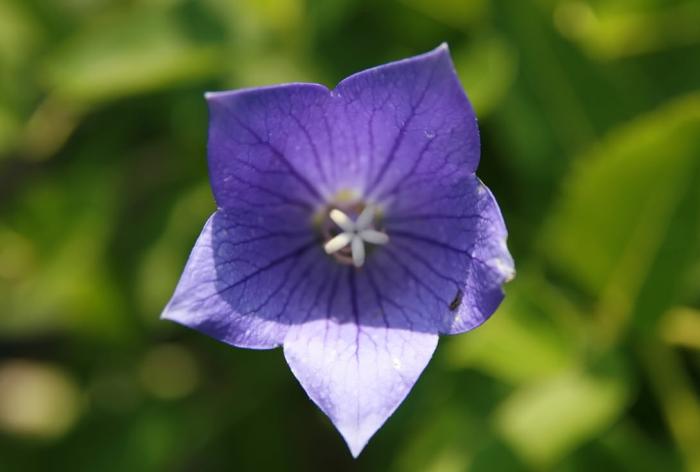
<point>373,236</point>
<point>366,217</point>
<point>358,251</point>
<point>337,243</point>
<point>355,233</point>
<point>342,220</point>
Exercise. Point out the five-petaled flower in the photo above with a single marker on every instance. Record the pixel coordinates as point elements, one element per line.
<point>351,229</point>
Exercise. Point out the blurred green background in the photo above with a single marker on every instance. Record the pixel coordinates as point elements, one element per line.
<point>590,117</point>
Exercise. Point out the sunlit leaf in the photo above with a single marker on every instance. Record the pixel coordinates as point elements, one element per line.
<point>441,445</point>
<point>628,219</point>
<point>521,341</point>
<point>547,420</point>
<point>274,14</point>
<point>615,32</point>
<point>681,326</point>
<point>55,276</point>
<point>125,56</point>
<point>487,69</point>
<point>455,13</point>
<point>675,391</point>
<point>163,262</point>
<point>9,130</point>
<point>19,33</point>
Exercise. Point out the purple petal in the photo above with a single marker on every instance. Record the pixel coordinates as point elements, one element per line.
<point>358,375</point>
<point>243,279</point>
<point>262,141</point>
<point>454,250</point>
<point>492,266</point>
<point>402,122</point>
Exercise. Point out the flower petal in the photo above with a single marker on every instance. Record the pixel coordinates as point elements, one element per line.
<point>244,281</point>
<point>453,250</point>
<point>361,354</point>
<point>356,374</point>
<point>492,267</point>
<point>402,121</point>
<point>266,140</point>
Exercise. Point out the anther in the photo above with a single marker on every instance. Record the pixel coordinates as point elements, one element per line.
<point>355,233</point>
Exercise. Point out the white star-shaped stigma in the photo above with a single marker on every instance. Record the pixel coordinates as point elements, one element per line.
<point>355,233</point>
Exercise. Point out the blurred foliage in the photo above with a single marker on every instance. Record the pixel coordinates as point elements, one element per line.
<point>590,118</point>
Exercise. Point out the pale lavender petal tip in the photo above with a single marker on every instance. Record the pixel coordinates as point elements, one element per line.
<point>357,375</point>
<point>351,229</point>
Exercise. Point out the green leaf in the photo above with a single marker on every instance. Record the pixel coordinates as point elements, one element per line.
<point>456,13</point>
<point>274,15</point>
<point>125,56</point>
<point>9,129</point>
<point>487,69</point>
<point>681,326</point>
<point>628,218</point>
<point>438,445</point>
<point>636,451</point>
<point>523,340</point>
<point>19,33</point>
<point>615,29</point>
<point>545,421</point>
<point>164,260</point>
<point>53,271</point>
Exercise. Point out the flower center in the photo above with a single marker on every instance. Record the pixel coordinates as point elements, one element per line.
<point>347,231</point>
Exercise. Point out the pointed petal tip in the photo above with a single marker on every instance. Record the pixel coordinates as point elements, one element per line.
<point>357,437</point>
<point>179,316</point>
<point>214,97</point>
<point>356,383</point>
<point>356,447</point>
<point>443,49</point>
<point>167,314</point>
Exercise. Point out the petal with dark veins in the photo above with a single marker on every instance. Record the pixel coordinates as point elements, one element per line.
<point>455,253</point>
<point>408,120</point>
<point>358,375</point>
<point>403,139</point>
<point>266,141</point>
<point>244,283</point>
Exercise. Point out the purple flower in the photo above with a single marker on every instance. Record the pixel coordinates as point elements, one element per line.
<point>351,229</point>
